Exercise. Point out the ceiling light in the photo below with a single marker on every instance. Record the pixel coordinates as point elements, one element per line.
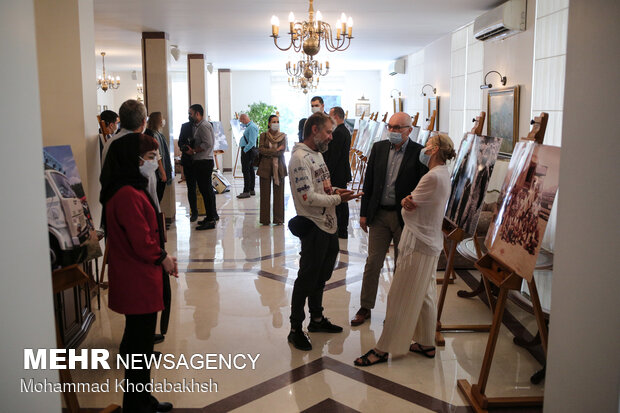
<point>175,52</point>
<point>107,82</point>
<point>307,35</point>
<point>434,89</point>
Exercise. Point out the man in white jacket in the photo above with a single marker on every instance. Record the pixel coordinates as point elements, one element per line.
<point>315,200</point>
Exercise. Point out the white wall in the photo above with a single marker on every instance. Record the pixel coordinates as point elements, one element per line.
<point>26,310</point>
<point>584,362</point>
<point>249,86</point>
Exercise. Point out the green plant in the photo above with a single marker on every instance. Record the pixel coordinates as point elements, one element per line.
<point>259,113</point>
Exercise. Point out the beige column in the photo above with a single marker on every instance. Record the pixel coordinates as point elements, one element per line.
<point>225,116</point>
<point>67,85</point>
<point>157,96</point>
<point>196,80</point>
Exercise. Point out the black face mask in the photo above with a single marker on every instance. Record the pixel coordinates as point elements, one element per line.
<point>190,119</point>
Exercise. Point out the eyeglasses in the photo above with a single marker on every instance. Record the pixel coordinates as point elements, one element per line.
<point>396,127</point>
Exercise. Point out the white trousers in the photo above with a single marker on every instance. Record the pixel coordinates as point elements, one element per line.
<point>412,304</point>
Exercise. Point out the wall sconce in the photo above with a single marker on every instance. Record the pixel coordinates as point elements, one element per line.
<point>433,88</point>
<point>393,96</point>
<point>489,85</point>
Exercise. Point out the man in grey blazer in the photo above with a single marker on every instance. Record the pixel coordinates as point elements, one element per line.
<point>393,172</point>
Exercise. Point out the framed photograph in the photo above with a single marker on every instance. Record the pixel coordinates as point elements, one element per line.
<point>362,108</point>
<point>503,120</point>
<point>432,104</point>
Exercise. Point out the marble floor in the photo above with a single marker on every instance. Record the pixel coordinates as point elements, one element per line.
<point>233,297</point>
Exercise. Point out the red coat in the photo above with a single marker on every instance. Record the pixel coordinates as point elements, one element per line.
<point>135,281</point>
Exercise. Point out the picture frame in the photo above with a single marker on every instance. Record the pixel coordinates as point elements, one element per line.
<point>432,103</point>
<point>503,117</point>
<point>362,108</point>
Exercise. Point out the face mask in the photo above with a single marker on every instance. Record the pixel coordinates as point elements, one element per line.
<point>315,109</point>
<point>149,167</point>
<point>163,123</point>
<point>275,127</point>
<point>424,158</point>
<point>395,138</point>
<point>190,119</point>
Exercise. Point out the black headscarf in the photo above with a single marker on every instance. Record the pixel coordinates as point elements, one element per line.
<point>121,168</point>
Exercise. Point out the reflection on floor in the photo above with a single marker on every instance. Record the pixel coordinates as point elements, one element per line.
<point>233,296</point>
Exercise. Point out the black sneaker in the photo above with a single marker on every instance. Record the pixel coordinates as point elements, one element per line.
<point>193,218</point>
<point>300,340</point>
<point>323,326</point>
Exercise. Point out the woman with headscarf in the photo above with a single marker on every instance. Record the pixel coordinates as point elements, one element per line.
<point>136,257</point>
<point>272,168</point>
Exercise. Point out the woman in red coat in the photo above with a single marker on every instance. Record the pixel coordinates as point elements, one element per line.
<point>135,255</point>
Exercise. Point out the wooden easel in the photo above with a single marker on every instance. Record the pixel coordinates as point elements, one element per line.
<point>64,279</point>
<point>385,117</point>
<point>415,119</point>
<point>453,235</point>
<point>431,121</point>
<point>236,156</point>
<point>504,277</point>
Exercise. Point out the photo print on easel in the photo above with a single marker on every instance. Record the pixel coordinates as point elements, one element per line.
<point>470,177</point>
<point>72,235</point>
<point>525,202</point>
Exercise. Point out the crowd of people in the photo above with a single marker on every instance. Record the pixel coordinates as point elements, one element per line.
<point>404,193</point>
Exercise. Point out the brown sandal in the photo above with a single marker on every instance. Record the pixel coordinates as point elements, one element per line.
<point>365,361</point>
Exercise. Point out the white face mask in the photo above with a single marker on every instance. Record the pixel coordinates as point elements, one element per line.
<point>315,109</point>
<point>395,138</point>
<point>424,158</point>
<point>163,123</point>
<point>275,127</point>
<point>149,167</point>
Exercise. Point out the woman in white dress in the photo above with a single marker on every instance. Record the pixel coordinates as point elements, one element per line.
<point>412,300</point>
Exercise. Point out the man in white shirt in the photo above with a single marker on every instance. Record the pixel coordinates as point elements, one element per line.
<point>315,203</point>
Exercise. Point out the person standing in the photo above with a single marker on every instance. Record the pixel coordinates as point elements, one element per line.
<point>272,168</point>
<point>315,201</point>
<point>393,171</point>
<point>316,105</point>
<point>136,256</point>
<point>186,142</point>
<point>337,160</point>
<point>412,300</point>
<point>154,128</point>
<point>202,162</point>
<point>248,143</point>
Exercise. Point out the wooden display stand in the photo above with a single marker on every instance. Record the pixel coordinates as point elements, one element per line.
<point>431,121</point>
<point>504,277</point>
<point>414,121</point>
<point>64,279</point>
<point>453,235</point>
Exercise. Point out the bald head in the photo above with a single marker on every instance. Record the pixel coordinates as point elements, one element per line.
<point>244,118</point>
<point>401,118</point>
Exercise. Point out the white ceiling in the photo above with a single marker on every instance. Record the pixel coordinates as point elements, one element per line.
<point>235,33</point>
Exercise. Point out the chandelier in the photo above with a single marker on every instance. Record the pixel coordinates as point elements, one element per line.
<point>304,84</point>
<point>306,67</point>
<point>307,35</point>
<point>104,83</point>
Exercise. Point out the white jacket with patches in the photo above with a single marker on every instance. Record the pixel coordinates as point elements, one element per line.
<point>312,189</point>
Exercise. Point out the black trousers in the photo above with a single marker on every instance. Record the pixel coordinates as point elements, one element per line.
<point>342,217</point>
<point>247,167</point>
<point>319,250</point>
<point>203,169</point>
<point>190,180</point>
<point>161,187</point>
<point>138,339</point>
<point>165,314</point>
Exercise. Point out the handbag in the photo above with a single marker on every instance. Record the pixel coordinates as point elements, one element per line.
<point>255,156</point>
<point>300,226</point>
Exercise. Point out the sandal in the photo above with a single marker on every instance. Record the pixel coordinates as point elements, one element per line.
<point>365,361</point>
<point>416,348</point>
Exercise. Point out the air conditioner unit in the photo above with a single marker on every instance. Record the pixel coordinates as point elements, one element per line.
<point>501,22</point>
<point>398,66</point>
